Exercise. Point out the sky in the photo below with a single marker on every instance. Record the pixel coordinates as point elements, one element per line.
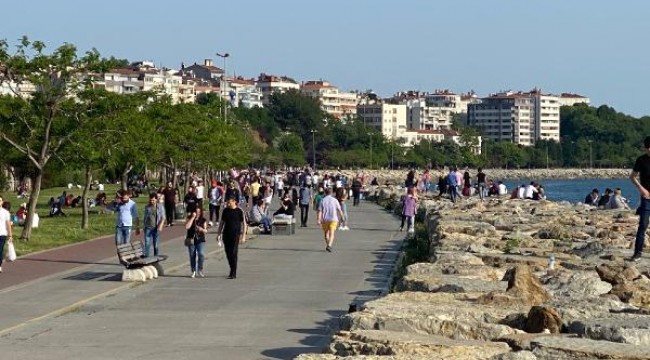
<point>594,48</point>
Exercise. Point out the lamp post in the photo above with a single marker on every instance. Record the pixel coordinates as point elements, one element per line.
<point>392,154</point>
<point>313,150</point>
<point>591,164</point>
<point>224,56</point>
<point>547,156</point>
<point>370,135</point>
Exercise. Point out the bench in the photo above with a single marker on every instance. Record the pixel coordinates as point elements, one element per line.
<point>138,267</point>
<point>283,226</point>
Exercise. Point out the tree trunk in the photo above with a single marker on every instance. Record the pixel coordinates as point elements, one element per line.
<point>125,176</point>
<point>84,198</point>
<point>33,199</point>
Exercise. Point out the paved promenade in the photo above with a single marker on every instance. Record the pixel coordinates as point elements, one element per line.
<point>286,298</point>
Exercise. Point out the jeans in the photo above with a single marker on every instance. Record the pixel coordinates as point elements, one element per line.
<point>122,235</point>
<point>304,214</point>
<point>3,240</point>
<point>481,190</point>
<point>197,255</point>
<point>266,223</point>
<point>151,236</point>
<point>356,196</point>
<point>214,212</point>
<point>644,214</point>
<point>453,192</point>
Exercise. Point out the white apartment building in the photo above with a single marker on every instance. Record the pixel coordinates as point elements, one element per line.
<point>244,92</point>
<point>569,99</point>
<point>144,76</point>
<point>413,137</point>
<point>521,118</point>
<point>334,102</point>
<point>390,119</point>
<point>11,88</point>
<point>420,116</point>
<point>269,84</point>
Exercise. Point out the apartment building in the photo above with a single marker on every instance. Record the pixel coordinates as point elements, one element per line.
<point>569,99</point>
<point>389,119</point>
<point>144,76</point>
<point>521,118</point>
<point>244,92</point>
<point>269,84</point>
<point>413,137</point>
<point>333,101</point>
<point>420,116</point>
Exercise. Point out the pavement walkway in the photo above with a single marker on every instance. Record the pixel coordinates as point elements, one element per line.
<point>286,300</point>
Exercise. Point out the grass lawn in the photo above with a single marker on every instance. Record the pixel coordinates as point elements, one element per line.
<point>58,231</point>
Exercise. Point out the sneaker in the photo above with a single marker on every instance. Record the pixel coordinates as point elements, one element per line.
<point>401,229</point>
<point>201,274</point>
<point>0,269</point>
<point>193,274</point>
<point>347,228</point>
<point>232,276</point>
<point>635,258</point>
<point>210,223</point>
<point>411,231</point>
<point>328,248</point>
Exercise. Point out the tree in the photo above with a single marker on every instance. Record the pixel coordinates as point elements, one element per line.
<point>39,125</point>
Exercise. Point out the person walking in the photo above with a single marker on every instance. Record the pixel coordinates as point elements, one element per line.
<point>126,216</point>
<point>153,221</point>
<point>169,193</point>
<point>196,226</point>
<point>6,234</point>
<point>232,232</point>
<point>356,191</point>
<point>342,196</point>
<point>329,213</point>
<point>216,196</point>
<point>482,189</point>
<point>640,177</point>
<point>409,206</point>
<point>305,200</point>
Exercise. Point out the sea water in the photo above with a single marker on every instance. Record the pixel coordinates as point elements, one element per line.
<point>576,190</point>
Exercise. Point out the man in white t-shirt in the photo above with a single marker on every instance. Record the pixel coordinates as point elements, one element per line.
<point>200,194</point>
<point>503,190</point>
<point>530,191</point>
<point>5,231</point>
<point>329,214</point>
<point>521,191</point>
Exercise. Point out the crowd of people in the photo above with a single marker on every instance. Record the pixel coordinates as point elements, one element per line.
<point>234,202</point>
<point>610,199</point>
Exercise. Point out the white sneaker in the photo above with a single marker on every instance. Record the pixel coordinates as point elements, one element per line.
<point>0,269</point>
<point>201,274</point>
<point>347,228</point>
<point>193,274</point>
<point>411,231</point>
<point>210,223</point>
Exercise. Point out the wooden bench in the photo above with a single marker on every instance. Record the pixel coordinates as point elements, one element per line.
<point>138,267</point>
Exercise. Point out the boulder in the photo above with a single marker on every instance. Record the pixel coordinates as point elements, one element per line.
<point>617,273</point>
<point>576,284</point>
<point>566,348</point>
<point>380,342</point>
<point>541,318</point>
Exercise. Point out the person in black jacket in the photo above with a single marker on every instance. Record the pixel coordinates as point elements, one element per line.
<point>232,232</point>
<point>287,207</point>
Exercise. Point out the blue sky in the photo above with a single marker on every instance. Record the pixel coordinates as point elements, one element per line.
<point>595,48</point>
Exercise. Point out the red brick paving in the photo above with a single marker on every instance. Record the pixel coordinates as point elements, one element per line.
<point>49,262</point>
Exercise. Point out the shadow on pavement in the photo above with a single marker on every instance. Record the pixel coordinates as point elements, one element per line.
<point>69,261</point>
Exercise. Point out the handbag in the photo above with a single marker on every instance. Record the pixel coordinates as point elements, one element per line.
<point>11,251</point>
<point>189,240</point>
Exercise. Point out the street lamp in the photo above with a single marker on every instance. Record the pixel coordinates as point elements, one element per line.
<point>591,164</point>
<point>313,150</point>
<point>224,56</point>
<point>370,135</point>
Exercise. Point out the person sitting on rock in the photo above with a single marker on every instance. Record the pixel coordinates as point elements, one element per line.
<point>604,200</point>
<point>592,198</point>
<point>617,201</point>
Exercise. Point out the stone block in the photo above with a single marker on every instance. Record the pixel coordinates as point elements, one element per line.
<point>133,275</point>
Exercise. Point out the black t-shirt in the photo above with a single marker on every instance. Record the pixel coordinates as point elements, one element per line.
<point>170,195</point>
<point>481,177</point>
<point>642,166</point>
<point>191,202</point>
<point>232,221</point>
<point>200,237</point>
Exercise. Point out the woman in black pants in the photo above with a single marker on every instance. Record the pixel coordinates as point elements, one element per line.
<point>232,231</point>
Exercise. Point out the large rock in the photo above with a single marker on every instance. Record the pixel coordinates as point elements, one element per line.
<point>621,328</point>
<point>617,274</point>
<point>378,342</point>
<point>523,287</point>
<point>576,284</point>
<point>542,318</point>
<point>563,348</point>
<point>449,283</point>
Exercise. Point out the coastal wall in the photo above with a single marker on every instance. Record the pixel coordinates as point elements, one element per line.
<point>489,290</point>
<point>398,176</point>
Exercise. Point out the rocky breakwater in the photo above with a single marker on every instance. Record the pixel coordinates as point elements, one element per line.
<point>491,291</point>
<point>398,176</point>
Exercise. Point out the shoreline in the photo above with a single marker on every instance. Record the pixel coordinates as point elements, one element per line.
<point>498,174</point>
